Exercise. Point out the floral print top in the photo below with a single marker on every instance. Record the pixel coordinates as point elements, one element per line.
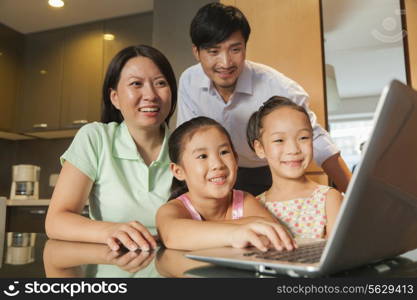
<point>304,217</point>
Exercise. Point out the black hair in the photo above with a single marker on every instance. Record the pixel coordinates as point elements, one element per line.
<point>109,113</point>
<point>255,124</point>
<point>176,146</point>
<point>215,22</point>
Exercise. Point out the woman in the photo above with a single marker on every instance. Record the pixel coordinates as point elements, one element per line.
<point>122,164</point>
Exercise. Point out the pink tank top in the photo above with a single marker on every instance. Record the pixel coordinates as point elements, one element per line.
<point>237,206</point>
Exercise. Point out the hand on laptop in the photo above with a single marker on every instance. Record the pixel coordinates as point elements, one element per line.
<point>262,235</point>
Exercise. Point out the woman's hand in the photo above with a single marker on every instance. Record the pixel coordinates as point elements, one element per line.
<point>132,235</point>
<point>262,235</point>
<point>131,261</point>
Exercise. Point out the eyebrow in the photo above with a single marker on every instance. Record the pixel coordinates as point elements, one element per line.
<point>282,132</point>
<point>217,46</point>
<point>204,148</point>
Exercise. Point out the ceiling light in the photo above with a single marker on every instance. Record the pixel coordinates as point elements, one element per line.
<point>56,3</point>
<point>108,36</point>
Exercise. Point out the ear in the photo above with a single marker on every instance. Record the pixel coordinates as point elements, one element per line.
<point>177,171</point>
<point>196,52</point>
<point>259,149</point>
<point>114,98</point>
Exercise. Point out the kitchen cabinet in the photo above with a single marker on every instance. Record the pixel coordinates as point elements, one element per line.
<point>127,31</point>
<point>26,218</point>
<point>11,54</point>
<point>63,71</point>
<point>82,75</point>
<point>40,98</point>
<point>22,218</point>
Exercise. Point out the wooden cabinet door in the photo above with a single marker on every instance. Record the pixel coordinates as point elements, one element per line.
<point>39,104</point>
<point>11,46</point>
<point>127,31</point>
<point>82,75</point>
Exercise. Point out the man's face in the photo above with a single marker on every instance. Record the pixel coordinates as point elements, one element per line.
<point>223,62</point>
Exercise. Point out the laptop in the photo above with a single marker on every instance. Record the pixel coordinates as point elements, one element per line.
<point>378,216</point>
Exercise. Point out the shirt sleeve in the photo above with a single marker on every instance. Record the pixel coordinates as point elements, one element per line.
<point>83,151</point>
<point>323,145</point>
<point>185,112</point>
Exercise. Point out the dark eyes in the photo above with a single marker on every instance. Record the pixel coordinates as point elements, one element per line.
<point>158,83</point>
<point>222,152</point>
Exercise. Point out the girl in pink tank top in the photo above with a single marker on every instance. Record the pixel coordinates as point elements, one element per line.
<point>280,132</point>
<point>205,211</point>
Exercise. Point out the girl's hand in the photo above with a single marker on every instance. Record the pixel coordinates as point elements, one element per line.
<point>262,234</point>
<point>131,261</point>
<point>131,235</point>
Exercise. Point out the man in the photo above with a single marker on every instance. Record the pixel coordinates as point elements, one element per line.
<point>228,88</point>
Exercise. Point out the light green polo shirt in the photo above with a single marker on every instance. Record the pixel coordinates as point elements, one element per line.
<point>125,188</point>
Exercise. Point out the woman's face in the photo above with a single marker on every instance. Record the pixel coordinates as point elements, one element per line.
<point>143,95</point>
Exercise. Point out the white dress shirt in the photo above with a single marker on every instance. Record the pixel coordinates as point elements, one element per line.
<point>197,96</point>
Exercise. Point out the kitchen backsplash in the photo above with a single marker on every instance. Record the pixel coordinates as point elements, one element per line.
<point>44,153</point>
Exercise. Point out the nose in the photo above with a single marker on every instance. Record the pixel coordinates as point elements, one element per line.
<point>292,147</point>
<point>148,92</point>
<point>216,163</point>
<point>225,59</point>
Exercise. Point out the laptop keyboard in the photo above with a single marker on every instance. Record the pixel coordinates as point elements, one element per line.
<point>309,253</point>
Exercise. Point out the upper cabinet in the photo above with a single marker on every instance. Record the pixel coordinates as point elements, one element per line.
<point>82,75</point>
<point>11,48</point>
<point>40,97</point>
<point>64,70</point>
<point>126,31</point>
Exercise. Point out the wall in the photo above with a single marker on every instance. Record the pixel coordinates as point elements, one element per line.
<point>171,27</point>
<point>411,18</point>
<point>275,41</point>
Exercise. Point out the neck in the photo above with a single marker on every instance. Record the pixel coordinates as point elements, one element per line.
<point>211,209</point>
<point>225,93</point>
<point>148,141</point>
<point>288,186</point>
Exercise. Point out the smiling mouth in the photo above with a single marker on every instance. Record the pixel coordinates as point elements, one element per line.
<point>293,163</point>
<point>218,180</point>
<point>149,109</point>
<point>226,73</point>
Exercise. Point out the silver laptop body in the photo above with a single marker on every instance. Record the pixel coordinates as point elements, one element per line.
<point>378,217</point>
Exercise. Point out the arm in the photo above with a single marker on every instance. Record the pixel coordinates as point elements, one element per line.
<point>64,222</point>
<point>333,202</point>
<point>63,259</point>
<point>178,231</point>
<point>338,171</point>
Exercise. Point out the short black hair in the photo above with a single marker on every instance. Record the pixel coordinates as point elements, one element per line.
<point>215,22</point>
<point>109,113</point>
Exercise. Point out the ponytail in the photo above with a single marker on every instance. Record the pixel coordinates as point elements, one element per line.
<point>177,188</point>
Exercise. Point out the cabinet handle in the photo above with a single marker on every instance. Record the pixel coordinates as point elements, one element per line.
<point>79,122</point>
<point>40,125</point>
<point>37,211</point>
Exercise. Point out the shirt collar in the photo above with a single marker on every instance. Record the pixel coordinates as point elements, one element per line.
<point>244,82</point>
<point>124,146</point>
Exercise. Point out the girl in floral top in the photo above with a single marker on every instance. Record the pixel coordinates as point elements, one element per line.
<point>280,132</point>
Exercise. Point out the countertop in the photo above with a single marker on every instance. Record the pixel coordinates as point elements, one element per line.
<point>32,202</point>
<point>53,258</point>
